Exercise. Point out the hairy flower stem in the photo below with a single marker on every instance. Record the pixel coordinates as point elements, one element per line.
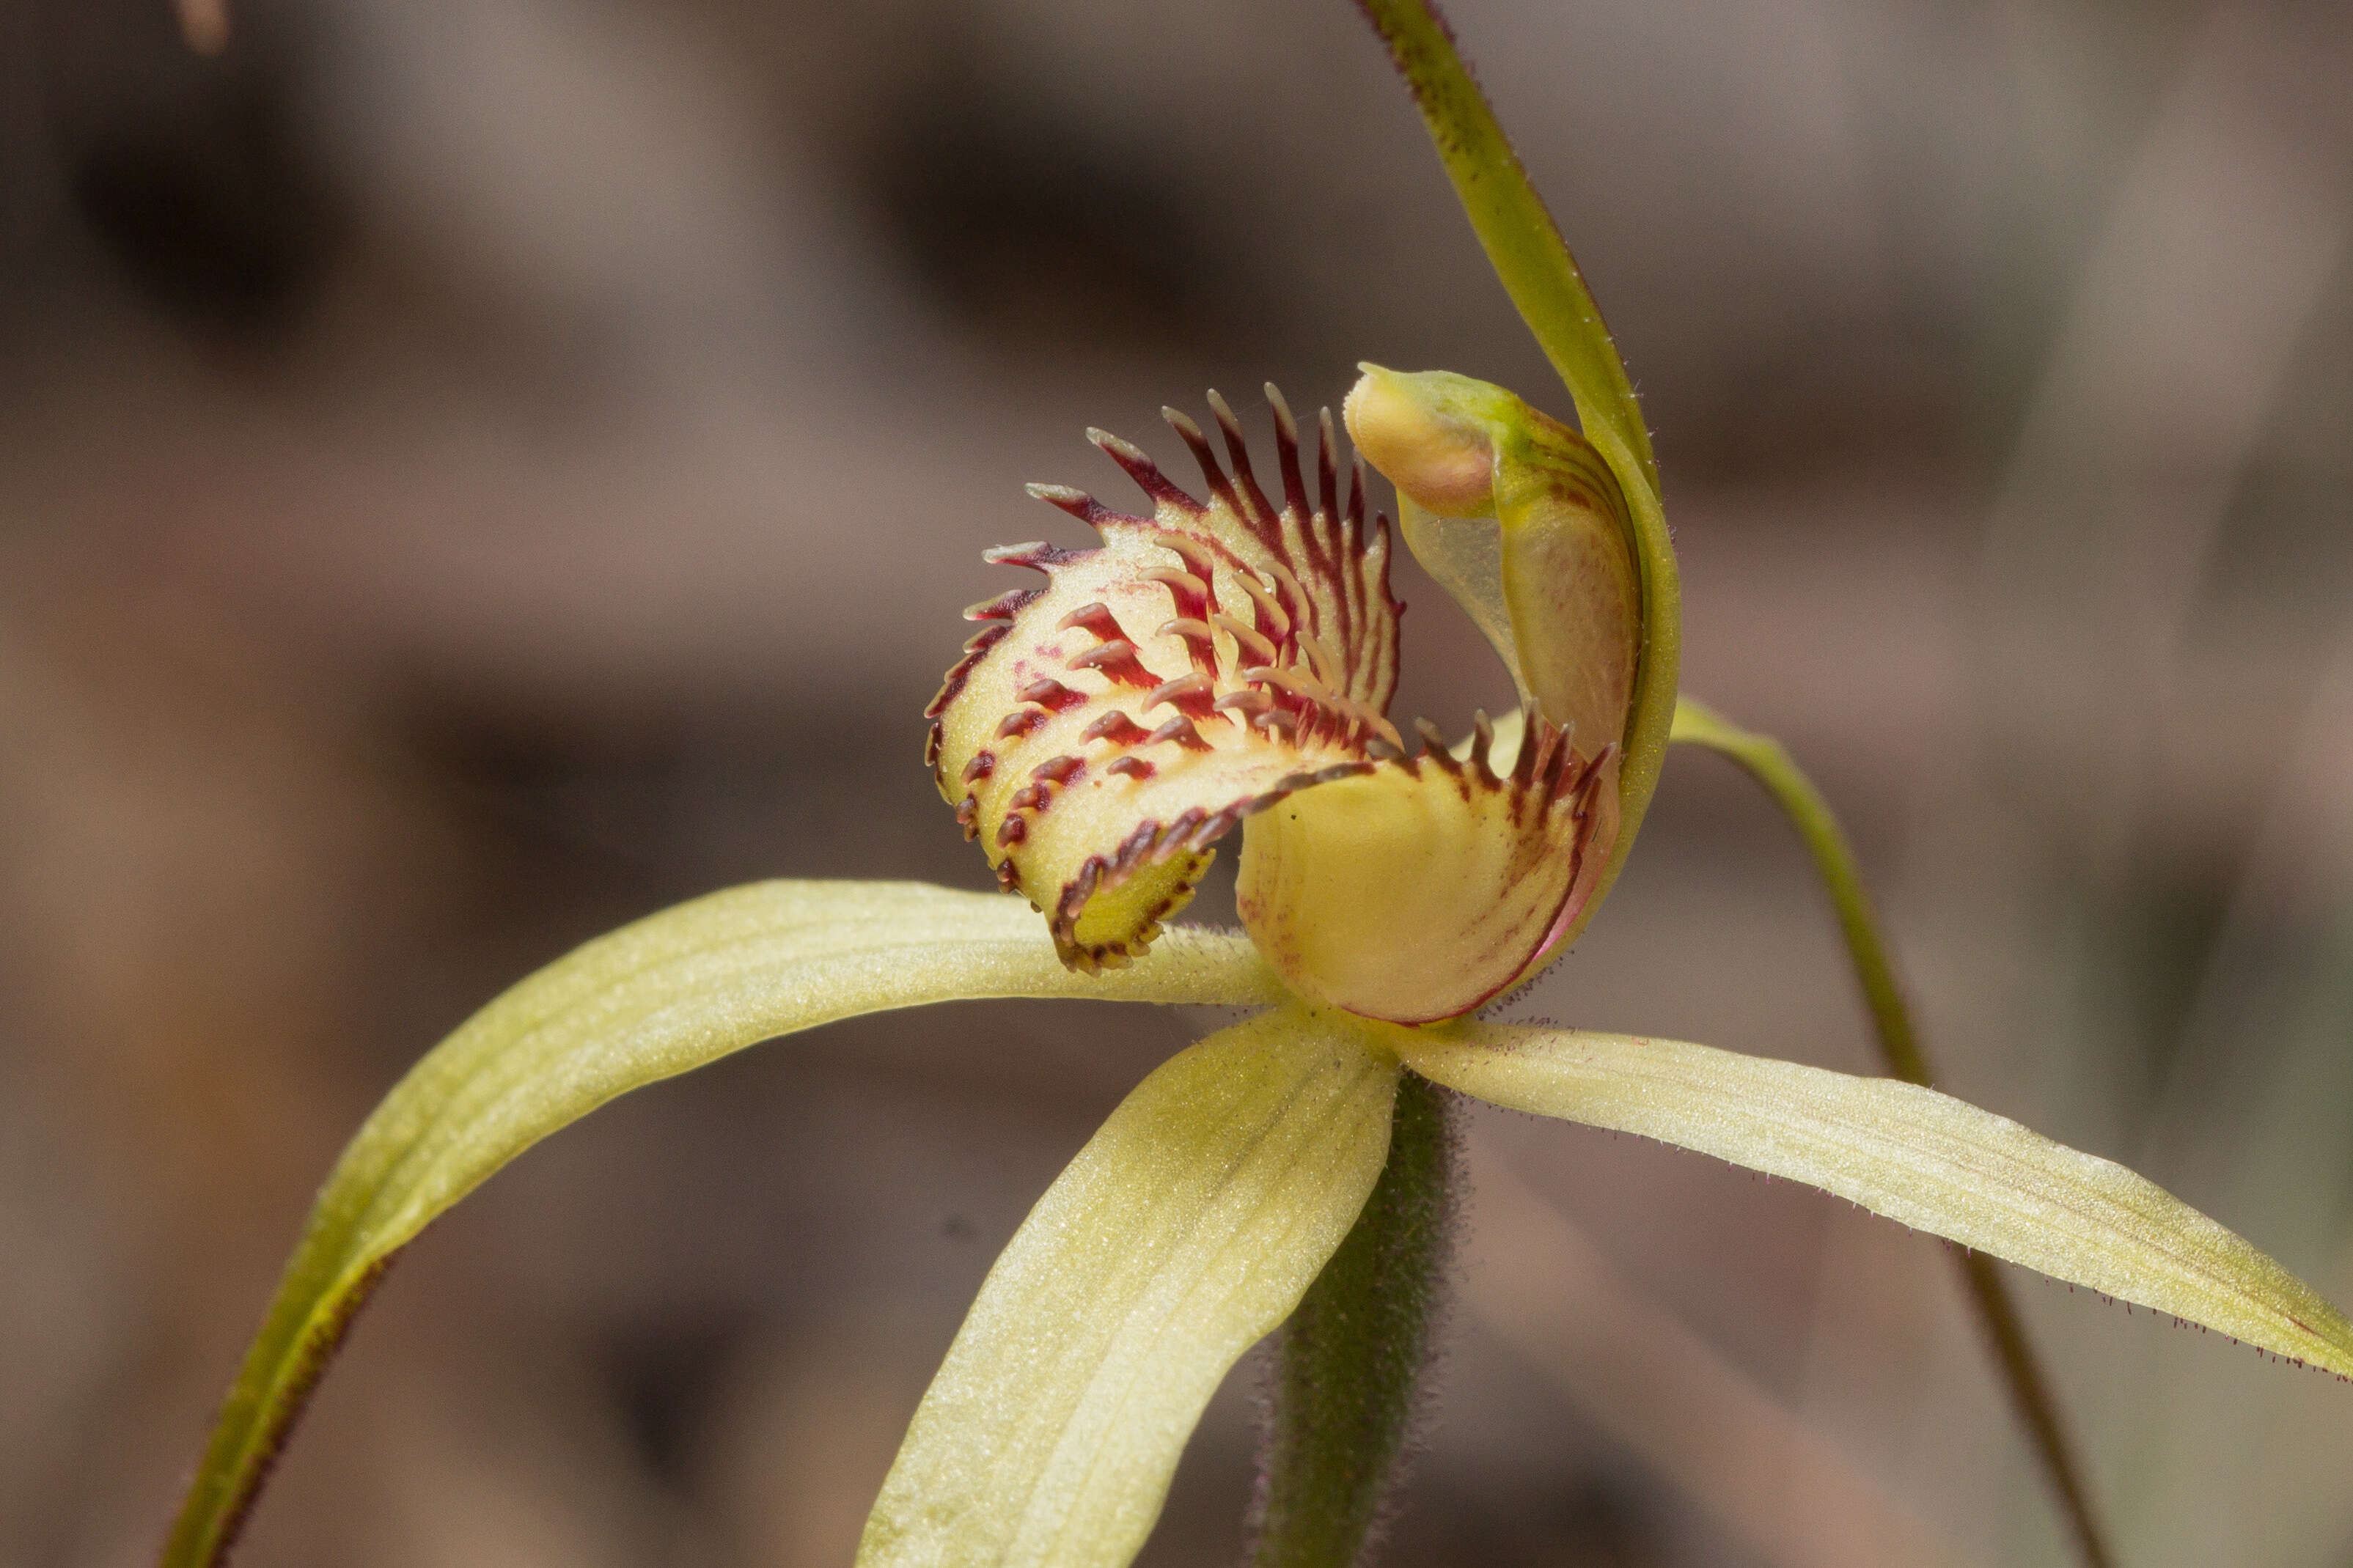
<point>1769,762</point>
<point>1348,1375</point>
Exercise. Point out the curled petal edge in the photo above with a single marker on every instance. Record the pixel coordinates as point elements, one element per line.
<point>1201,664</point>
<point>1428,886</point>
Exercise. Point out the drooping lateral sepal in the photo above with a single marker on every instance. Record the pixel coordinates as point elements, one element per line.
<point>1188,1228</point>
<point>669,993</point>
<point>1102,731</point>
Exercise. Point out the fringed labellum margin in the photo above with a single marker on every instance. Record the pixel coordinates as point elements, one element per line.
<point>1103,731</point>
<point>1214,661</point>
<point>1420,890</point>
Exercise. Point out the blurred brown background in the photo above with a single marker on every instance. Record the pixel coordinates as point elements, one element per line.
<point>473,472</point>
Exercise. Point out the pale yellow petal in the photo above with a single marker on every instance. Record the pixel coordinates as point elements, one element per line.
<point>1926,1159</point>
<point>1186,1230</point>
<point>1569,581</point>
<point>1465,555</point>
<point>670,993</point>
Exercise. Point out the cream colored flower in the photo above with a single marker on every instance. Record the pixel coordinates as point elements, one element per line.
<point>1228,662</point>
<point>1221,663</point>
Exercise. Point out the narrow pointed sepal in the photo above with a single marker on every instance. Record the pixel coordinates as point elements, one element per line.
<point>1430,884</point>
<point>1188,1228</point>
<point>654,999</point>
<point>1104,731</point>
<point>1925,1159</point>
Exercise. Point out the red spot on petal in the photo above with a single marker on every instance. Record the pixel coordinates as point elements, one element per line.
<point>1190,593</point>
<point>1115,727</point>
<point>1096,619</point>
<point>1179,730</point>
<point>1052,694</point>
<point>1191,695</point>
<point>1117,660</point>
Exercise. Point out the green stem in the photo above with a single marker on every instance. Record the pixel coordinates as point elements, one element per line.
<point>1523,243</point>
<point>1769,762</point>
<point>1348,1378</point>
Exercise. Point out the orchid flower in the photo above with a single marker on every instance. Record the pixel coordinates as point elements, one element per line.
<point>1223,663</point>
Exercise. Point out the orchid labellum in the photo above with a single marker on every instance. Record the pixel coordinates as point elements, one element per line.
<point>1229,662</point>
<point>1221,661</point>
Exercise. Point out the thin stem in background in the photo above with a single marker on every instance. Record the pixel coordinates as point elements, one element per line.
<point>1655,1384</point>
<point>1769,762</point>
<point>1534,263</point>
<point>1347,1382</point>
